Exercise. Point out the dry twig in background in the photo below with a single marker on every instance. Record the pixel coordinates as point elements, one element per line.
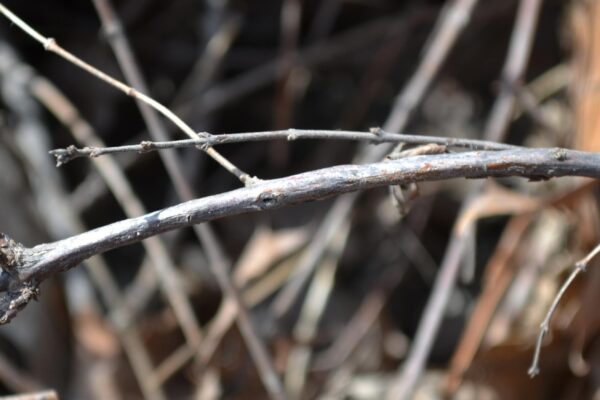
<point>51,45</point>
<point>580,266</point>
<point>218,263</point>
<point>501,115</point>
<point>453,19</point>
<point>353,361</point>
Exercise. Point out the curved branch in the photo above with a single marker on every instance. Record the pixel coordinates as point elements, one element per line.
<point>38,263</point>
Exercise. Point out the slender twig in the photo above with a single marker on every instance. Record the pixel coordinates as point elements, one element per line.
<point>117,182</point>
<point>516,61</point>
<point>56,211</point>
<point>514,68</point>
<point>14,378</point>
<point>43,395</point>
<point>376,136</point>
<point>377,73</point>
<point>51,45</point>
<point>501,268</point>
<point>338,45</point>
<point>530,105</point>
<point>286,88</point>
<point>580,266</point>
<point>120,314</point>
<point>218,263</point>
<point>453,20</point>
<point>306,328</point>
<point>368,312</point>
<point>207,65</point>
<point>345,43</point>
<point>450,24</point>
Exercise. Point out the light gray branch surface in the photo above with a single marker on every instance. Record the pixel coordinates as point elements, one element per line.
<point>375,136</point>
<point>40,262</point>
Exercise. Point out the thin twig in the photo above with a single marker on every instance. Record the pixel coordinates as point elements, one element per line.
<point>454,18</point>
<point>514,68</point>
<point>218,263</point>
<point>499,272</point>
<point>516,61</point>
<point>345,43</point>
<point>450,24</point>
<point>51,45</point>
<point>384,62</point>
<point>59,217</point>
<point>580,266</point>
<point>376,136</point>
<point>120,314</point>
<point>348,339</point>
<point>290,24</point>
<point>207,65</point>
<point>44,395</point>
<point>306,328</point>
<point>109,169</point>
<point>16,379</point>
<point>530,105</point>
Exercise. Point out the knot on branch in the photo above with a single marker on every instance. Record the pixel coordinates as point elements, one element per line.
<point>560,154</point>
<point>146,146</point>
<point>63,156</point>
<point>268,199</point>
<point>209,140</point>
<point>50,44</point>
<point>292,135</point>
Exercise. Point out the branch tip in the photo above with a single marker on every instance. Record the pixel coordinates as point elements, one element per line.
<point>533,372</point>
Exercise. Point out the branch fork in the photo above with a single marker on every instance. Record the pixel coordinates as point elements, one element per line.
<point>19,292</point>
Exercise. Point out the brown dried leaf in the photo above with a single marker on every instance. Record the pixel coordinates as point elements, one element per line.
<point>95,336</point>
<point>265,248</point>
<point>585,33</point>
<point>496,200</point>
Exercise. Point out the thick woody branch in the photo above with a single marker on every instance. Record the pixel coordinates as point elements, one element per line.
<point>40,262</point>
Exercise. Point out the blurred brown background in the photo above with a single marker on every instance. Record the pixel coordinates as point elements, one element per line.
<point>236,66</point>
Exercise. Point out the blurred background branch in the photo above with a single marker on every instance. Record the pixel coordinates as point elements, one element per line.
<point>323,299</point>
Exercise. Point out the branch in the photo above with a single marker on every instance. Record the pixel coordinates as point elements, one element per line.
<point>495,129</point>
<point>51,45</point>
<point>580,266</point>
<point>28,267</point>
<point>217,261</point>
<point>375,136</point>
<point>451,22</point>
